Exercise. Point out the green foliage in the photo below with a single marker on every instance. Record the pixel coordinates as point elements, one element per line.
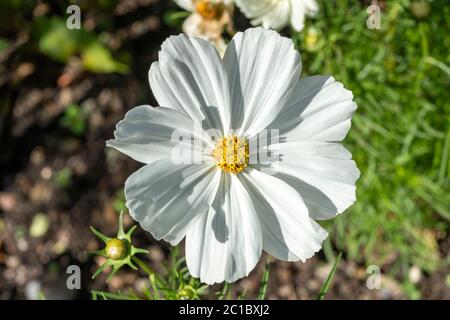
<point>4,44</point>
<point>119,201</point>
<point>97,58</point>
<point>57,41</point>
<point>60,43</point>
<point>106,4</point>
<point>74,119</point>
<point>400,136</point>
<point>63,178</point>
<point>104,295</point>
<point>411,291</point>
<point>177,284</point>
<point>175,18</point>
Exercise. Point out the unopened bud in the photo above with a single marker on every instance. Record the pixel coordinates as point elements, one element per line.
<point>115,249</point>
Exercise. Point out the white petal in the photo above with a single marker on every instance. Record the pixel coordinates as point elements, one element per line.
<point>254,8</point>
<point>276,18</point>
<point>319,109</point>
<point>192,25</point>
<point>300,8</point>
<point>166,199</point>
<point>145,133</point>
<point>190,78</point>
<point>297,15</point>
<point>263,70</point>
<point>268,13</point>
<point>318,116</point>
<point>225,244</point>
<point>322,173</point>
<point>187,5</point>
<point>288,231</point>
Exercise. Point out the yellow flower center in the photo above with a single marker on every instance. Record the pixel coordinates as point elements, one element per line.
<point>209,10</point>
<point>231,154</point>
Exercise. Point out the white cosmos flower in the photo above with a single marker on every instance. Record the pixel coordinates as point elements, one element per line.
<point>230,214</point>
<point>208,20</point>
<point>276,14</point>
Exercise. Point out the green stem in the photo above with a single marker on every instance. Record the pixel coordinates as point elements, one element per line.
<point>152,276</point>
<point>264,282</point>
<point>222,294</point>
<point>327,284</point>
<point>154,287</point>
<point>142,265</point>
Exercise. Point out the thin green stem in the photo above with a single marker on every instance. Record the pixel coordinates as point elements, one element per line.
<point>142,265</point>
<point>327,284</point>
<point>264,281</point>
<point>222,293</point>
<point>154,287</point>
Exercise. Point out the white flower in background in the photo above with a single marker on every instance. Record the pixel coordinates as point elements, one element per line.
<point>230,211</point>
<point>276,14</point>
<point>208,20</point>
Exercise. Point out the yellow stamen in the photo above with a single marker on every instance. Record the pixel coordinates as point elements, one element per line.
<point>231,154</point>
<point>209,10</point>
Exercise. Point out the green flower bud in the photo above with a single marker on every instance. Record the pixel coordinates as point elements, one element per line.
<point>115,249</point>
<point>187,293</point>
<point>118,251</point>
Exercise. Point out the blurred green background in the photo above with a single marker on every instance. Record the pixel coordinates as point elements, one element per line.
<point>62,91</point>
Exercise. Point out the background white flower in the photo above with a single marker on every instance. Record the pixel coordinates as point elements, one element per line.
<point>229,217</point>
<point>276,14</point>
<point>208,20</point>
<point>189,5</point>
